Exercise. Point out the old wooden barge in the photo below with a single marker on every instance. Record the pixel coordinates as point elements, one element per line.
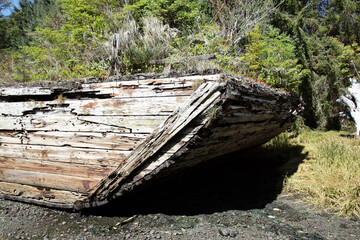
<point>81,143</point>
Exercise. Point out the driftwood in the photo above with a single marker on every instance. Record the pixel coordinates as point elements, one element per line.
<point>81,144</point>
<point>351,100</point>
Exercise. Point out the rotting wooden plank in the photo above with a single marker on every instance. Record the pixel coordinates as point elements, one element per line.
<point>138,124</point>
<point>53,181</point>
<point>72,123</point>
<point>11,91</point>
<point>151,82</point>
<point>131,106</point>
<point>68,169</point>
<point>39,193</point>
<point>64,154</point>
<point>155,91</point>
<point>199,100</point>
<point>105,140</point>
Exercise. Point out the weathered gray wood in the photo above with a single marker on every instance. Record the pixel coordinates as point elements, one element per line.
<point>95,140</point>
<point>65,199</point>
<point>131,106</point>
<point>63,154</point>
<point>60,168</point>
<point>47,180</point>
<point>25,91</point>
<point>73,123</point>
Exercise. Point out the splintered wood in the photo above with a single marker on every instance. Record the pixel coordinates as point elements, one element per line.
<point>81,144</point>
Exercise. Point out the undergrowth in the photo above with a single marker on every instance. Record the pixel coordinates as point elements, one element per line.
<point>330,176</point>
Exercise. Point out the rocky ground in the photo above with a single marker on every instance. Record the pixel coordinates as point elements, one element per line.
<point>236,197</point>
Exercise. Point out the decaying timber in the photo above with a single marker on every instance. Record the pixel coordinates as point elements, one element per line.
<point>79,144</point>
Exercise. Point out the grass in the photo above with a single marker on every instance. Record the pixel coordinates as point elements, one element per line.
<point>330,175</point>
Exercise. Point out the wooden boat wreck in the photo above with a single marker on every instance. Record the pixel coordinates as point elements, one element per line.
<point>81,143</point>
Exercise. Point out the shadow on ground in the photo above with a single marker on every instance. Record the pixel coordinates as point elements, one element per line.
<point>241,181</point>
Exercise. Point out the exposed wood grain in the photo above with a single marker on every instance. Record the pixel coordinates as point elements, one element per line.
<point>68,169</point>
<point>105,140</point>
<point>25,91</point>
<point>176,81</point>
<point>64,154</point>
<point>73,123</point>
<point>38,193</point>
<point>47,180</point>
<point>131,106</point>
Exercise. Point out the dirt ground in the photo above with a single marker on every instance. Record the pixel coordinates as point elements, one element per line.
<point>238,196</point>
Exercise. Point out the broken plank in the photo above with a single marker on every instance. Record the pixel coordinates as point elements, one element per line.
<point>39,193</point>
<point>151,82</point>
<point>130,106</point>
<point>12,91</point>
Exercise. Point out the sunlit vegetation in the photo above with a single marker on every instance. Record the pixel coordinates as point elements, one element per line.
<point>329,176</point>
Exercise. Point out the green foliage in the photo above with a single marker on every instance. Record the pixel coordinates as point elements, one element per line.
<point>253,50</point>
<point>182,14</point>
<point>270,56</point>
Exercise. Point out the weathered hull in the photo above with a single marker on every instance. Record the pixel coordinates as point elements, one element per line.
<point>80,144</point>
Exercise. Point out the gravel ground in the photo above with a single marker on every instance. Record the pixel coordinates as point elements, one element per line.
<point>235,197</point>
<point>283,218</point>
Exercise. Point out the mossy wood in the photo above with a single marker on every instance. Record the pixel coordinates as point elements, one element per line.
<point>80,144</point>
